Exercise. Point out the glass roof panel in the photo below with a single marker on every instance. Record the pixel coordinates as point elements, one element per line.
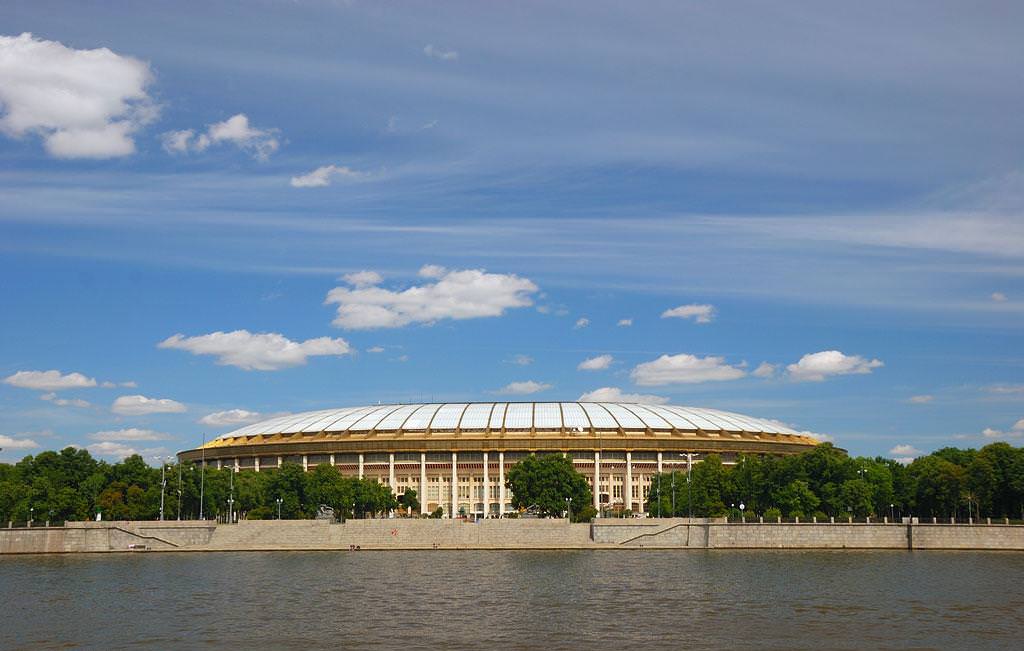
<point>420,418</point>
<point>599,416</point>
<point>447,417</point>
<point>519,415</point>
<point>574,418</point>
<point>477,416</point>
<point>547,415</point>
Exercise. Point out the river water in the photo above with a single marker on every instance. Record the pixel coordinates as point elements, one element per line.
<point>700,599</point>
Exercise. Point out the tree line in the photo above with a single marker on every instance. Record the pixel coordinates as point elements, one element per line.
<point>826,482</point>
<point>73,485</point>
<point>951,482</point>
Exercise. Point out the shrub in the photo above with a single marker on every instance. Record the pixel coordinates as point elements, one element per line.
<point>772,514</point>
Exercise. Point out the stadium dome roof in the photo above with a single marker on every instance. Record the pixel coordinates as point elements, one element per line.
<point>497,417</point>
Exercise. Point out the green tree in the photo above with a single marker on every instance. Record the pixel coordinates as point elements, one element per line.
<point>796,499</point>
<point>548,483</point>
<point>410,500</point>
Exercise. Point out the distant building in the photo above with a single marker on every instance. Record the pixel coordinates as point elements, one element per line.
<point>456,455</point>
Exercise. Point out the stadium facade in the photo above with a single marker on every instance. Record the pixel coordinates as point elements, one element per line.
<point>456,455</point>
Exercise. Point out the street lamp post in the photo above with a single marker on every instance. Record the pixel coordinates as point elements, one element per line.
<point>231,496</point>
<point>202,479</point>
<point>568,508</point>
<point>689,489</point>
<point>163,482</point>
<point>179,490</point>
<point>742,507</point>
<point>31,515</point>
<point>279,500</point>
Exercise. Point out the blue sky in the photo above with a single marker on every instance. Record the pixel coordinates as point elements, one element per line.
<point>832,190</point>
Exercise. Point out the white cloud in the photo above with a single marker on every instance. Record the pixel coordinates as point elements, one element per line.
<point>923,399</point>
<point>83,103</point>
<point>522,360</point>
<point>49,380</point>
<point>363,278</point>
<point>11,443</point>
<point>230,418</point>
<point>523,388</point>
<point>684,369</point>
<point>236,130</point>
<point>467,294</point>
<point>375,349</point>
<point>764,370</point>
<point>581,322</point>
<point>625,323</point>
<point>111,449</point>
<point>437,53</point>
<point>322,176</point>
<point>431,271</point>
<point>815,367</point>
<point>268,351</point>
<point>598,363</point>
<point>1006,389</point>
<point>614,394</point>
<point>64,402</point>
<point>699,313</point>
<point>999,297</point>
<point>1015,432</point>
<point>141,405</point>
<point>904,451</point>
<point>129,434</point>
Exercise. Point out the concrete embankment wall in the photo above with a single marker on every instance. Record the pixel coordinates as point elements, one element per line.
<point>503,534</point>
<point>105,536</point>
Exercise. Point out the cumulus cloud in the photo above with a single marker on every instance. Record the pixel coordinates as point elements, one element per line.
<point>363,278</point>
<point>323,176</point>
<point>999,297</point>
<point>111,449</point>
<point>816,367</point>
<point>625,323</point>
<point>230,418</point>
<point>375,349</point>
<point>431,271</point>
<point>581,322</point>
<point>923,399</point>
<point>764,370</point>
<point>522,360</point>
<point>466,294</point>
<point>64,402</point>
<point>249,351</point>
<point>141,405</point>
<point>699,313</point>
<point>1019,425</point>
<point>129,434</point>
<point>614,394</point>
<point>684,369</point>
<point>598,363</point>
<point>904,450</point>
<point>11,443</point>
<point>523,388</point>
<point>236,130</point>
<point>49,380</point>
<point>435,52</point>
<point>83,103</point>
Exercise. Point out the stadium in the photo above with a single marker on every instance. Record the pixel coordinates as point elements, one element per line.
<point>455,455</point>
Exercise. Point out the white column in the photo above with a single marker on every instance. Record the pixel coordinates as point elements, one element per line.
<point>597,482</point>
<point>360,465</point>
<point>392,482</point>
<point>423,483</point>
<point>501,484</point>
<point>455,485</point>
<point>220,464</point>
<point>237,465</point>
<point>659,463</point>
<point>305,462</point>
<point>627,485</point>
<point>332,459</point>
<point>256,463</point>
<point>280,460</point>
<point>487,488</point>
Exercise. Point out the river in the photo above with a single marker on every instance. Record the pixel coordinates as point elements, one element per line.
<point>514,600</point>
